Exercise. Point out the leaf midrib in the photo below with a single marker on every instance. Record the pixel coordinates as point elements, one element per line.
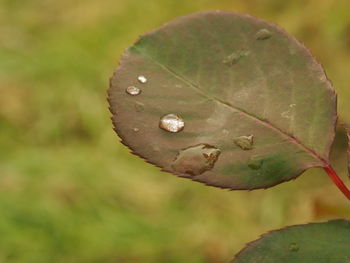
<point>237,109</point>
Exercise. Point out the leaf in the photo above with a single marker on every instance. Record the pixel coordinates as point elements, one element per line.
<point>257,108</point>
<point>317,242</point>
<point>347,130</point>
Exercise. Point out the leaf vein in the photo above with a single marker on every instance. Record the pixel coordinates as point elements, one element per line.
<point>237,109</point>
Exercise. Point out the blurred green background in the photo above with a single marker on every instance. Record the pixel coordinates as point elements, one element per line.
<point>70,192</point>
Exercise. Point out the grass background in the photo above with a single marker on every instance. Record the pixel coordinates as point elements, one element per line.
<point>70,192</point>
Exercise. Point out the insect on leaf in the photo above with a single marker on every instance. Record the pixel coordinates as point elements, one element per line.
<point>225,99</point>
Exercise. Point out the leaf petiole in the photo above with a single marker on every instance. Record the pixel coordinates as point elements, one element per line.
<point>337,180</point>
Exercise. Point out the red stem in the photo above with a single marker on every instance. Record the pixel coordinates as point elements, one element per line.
<point>338,182</point>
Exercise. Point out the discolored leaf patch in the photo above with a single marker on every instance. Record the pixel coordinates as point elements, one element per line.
<point>316,242</point>
<point>237,83</point>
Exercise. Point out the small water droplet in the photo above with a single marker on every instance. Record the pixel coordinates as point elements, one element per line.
<point>171,123</point>
<point>132,90</point>
<point>233,58</point>
<point>263,34</point>
<point>142,79</point>
<point>139,106</point>
<point>196,159</point>
<point>294,247</point>
<point>255,164</point>
<point>244,142</point>
<point>135,129</point>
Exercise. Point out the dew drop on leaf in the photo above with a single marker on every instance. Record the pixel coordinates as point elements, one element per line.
<point>294,247</point>
<point>139,106</point>
<point>171,123</point>
<point>142,79</point>
<point>263,34</point>
<point>244,142</point>
<point>196,159</point>
<point>255,164</point>
<point>132,90</point>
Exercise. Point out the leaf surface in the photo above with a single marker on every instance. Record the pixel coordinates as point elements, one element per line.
<point>317,242</point>
<point>347,130</point>
<point>243,88</point>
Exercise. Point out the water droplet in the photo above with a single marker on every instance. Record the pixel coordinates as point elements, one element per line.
<point>142,79</point>
<point>132,90</point>
<point>263,34</point>
<point>171,123</point>
<point>139,106</point>
<point>135,129</point>
<point>196,159</point>
<point>244,142</point>
<point>294,247</point>
<point>233,58</point>
<point>256,164</point>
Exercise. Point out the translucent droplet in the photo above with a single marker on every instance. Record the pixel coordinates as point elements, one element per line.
<point>135,129</point>
<point>294,247</point>
<point>139,106</point>
<point>132,90</point>
<point>256,164</point>
<point>263,34</point>
<point>142,79</point>
<point>244,142</point>
<point>233,58</point>
<point>196,159</point>
<point>171,123</point>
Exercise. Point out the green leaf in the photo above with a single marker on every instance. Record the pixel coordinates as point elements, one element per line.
<point>327,242</point>
<point>257,108</point>
<point>347,130</point>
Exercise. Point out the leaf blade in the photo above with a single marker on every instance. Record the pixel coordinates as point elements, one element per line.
<point>347,131</point>
<point>315,242</point>
<point>201,88</point>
